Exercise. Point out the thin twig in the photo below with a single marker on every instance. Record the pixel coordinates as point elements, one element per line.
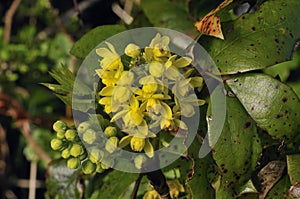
<point>136,186</point>
<point>8,20</point>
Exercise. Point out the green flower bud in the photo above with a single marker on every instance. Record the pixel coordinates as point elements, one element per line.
<point>82,127</point>
<point>65,153</point>
<point>137,143</point>
<point>70,134</point>
<point>89,136</point>
<point>110,131</point>
<point>96,155</point>
<point>83,156</point>
<point>88,167</point>
<point>56,144</point>
<point>99,168</point>
<point>104,166</point>
<point>112,144</point>
<point>139,161</point>
<point>59,126</point>
<point>73,163</point>
<point>76,150</point>
<point>60,134</point>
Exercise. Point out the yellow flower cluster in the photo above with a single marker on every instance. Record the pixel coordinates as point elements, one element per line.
<point>152,92</point>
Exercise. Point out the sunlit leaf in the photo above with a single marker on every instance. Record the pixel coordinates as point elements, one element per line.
<point>273,105</point>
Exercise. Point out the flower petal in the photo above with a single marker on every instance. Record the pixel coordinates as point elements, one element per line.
<point>107,91</point>
<point>148,148</point>
<point>125,141</point>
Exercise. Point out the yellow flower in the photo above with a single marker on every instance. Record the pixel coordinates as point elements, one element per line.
<point>158,49</point>
<point>111,60</point>
<point>163,116</point>
<point>156,69</point>
<point>106,100</point>
<point>138,144</point>
<point>151,195</point>
<point>159,45</point>
<point>132,115</point>
<point>111,65</point>
<point>175,188</point>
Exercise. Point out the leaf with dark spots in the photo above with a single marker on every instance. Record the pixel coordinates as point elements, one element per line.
<point>280,189</point>
<point>199,185</point>
<point>237,150</point>
<point>269,176</point>
<point>274,39</point>
<point>273,105</point>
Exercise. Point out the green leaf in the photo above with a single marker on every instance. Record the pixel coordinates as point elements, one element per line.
<point>116,184</point>
<point>91,39</point>
<point>280,190</point>
<point>167,14</point>
<point>293,165</point>
<point>62,182</point>
<point>198,186</point>
<point>237,150</point>
<point>57,88</point>
<point>257,40</point>
<point>65,99</point>
<point>273,105</point>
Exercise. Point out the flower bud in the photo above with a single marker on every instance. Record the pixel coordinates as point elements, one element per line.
<point>70,134</point>
<point>137,143</point>
<point>56,144</point>
<point>89,136</point>
<point>132,50</point>
<point>65,153</point>
<point>110,131</point>
<point>76,150</point>
<point>99,168</point>
<point>83,156</point>
<point>111,144</point>
<point>88,167</point>
<point>139,161</point>
<point>95,155</point>
<point>60,134</point>
<point>82,127</point>
<point>73,163</point>
<point>59,126</point>
<point>104,166</point>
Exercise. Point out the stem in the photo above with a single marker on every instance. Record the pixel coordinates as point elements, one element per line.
<point>214,77</point>
<point>194,42</point>
<point>159,182</point>
<point>136,186</point>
